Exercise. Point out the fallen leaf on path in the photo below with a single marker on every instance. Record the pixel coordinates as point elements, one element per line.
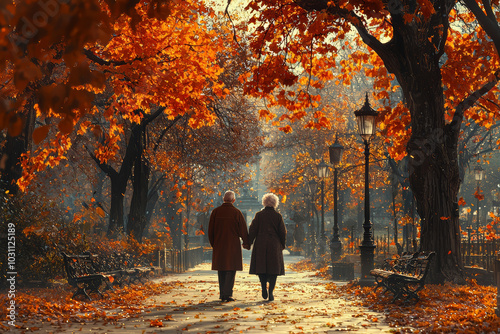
<point>156,323</point>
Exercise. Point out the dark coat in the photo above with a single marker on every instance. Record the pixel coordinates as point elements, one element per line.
<point>269,232</point>
<point>225,229</point>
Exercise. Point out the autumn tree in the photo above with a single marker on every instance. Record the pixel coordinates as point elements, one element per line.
<point>140,83</point>
<point>418,43</point>
<point>43,65</point>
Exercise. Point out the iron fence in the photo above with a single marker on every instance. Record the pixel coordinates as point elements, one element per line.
<point>173,260</point>
<point>177,261</point>
<point>480,253</point>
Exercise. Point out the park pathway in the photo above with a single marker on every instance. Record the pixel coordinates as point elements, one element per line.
<point>302,305</point>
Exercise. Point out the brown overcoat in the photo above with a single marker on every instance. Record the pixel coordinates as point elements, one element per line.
<point>227,225</point>
<point>269,233</point>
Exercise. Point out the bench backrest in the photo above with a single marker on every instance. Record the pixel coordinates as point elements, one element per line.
<point>78,265</point>
<point>401,264</point>
<point>419,265</point>
<point>414,264</point>
<point>105,263</point>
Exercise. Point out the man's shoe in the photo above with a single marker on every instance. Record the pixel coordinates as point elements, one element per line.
<point>228,299</point>
<point>271,297</point>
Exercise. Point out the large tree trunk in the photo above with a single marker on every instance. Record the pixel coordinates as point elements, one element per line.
<point>118,188</point>
<point>12,150</point>
<point>433,163</point>
<point>137,216</point>
<point>10,167</point>
<point>434,176</point>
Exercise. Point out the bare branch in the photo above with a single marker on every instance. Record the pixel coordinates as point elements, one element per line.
<point>471,99</point>
<point>96,59</point>
<point>487,21</point>
<point>106,168</point>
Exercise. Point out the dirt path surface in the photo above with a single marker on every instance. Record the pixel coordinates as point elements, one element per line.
<point>302,305</point>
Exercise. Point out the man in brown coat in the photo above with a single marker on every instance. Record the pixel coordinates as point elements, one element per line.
<point>227,225</point>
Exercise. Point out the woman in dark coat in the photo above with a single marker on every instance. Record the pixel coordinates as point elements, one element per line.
<point>267,233</point>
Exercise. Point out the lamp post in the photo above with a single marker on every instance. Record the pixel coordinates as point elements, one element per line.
<point>323,172</point>
<point>366,118</point>
<point>478,175</point>
<point>313,188</point>
<point>335,151</point>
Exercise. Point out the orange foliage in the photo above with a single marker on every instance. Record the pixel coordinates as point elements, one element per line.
<point>292,71</point>
<point>56,305</point>
<point>136,62</point>
<point>54,33</point>
<point>447,308</point>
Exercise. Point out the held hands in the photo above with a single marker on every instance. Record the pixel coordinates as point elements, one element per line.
<point>246,246</point>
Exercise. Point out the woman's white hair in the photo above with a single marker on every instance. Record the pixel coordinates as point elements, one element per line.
<point>270,199</point>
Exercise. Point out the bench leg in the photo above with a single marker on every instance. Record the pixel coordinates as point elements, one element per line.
<point>108,286</point>
<point>81,291</point>
<point>144,275</point>
<point>381,283</point>
<point>396,287</point>
<point>412,293</point>
<point>402,289</point>
<point>92,286</point>
<point>133,278</point>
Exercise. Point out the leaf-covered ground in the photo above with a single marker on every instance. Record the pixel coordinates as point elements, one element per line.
<point>305,303</point>
<point>444,308</point>
<point>447,308</point>
<point>40,306</point>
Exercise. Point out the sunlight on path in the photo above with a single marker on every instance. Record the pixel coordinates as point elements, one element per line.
<point>302,305</point>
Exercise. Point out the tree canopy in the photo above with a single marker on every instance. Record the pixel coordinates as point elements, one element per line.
<point>433,51</point>
<point>112,69</point>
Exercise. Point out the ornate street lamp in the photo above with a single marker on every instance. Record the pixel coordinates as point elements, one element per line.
<point>478,175</point>
<point>323,171</point>
<point>312,186</point>
<point>366,118</point>
<point>336,151</point>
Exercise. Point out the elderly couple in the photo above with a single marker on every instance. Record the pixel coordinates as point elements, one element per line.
<point>267,233</point>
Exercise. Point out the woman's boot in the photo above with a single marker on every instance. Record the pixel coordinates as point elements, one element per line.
<point>263,283</point>
<point>272,284</point>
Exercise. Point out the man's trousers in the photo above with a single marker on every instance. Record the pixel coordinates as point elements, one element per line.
<point>226,283</point>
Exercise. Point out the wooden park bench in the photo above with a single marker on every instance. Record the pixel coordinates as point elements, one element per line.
<point>88,273</point>
<point>404,276</point>
<point>83,274</point>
